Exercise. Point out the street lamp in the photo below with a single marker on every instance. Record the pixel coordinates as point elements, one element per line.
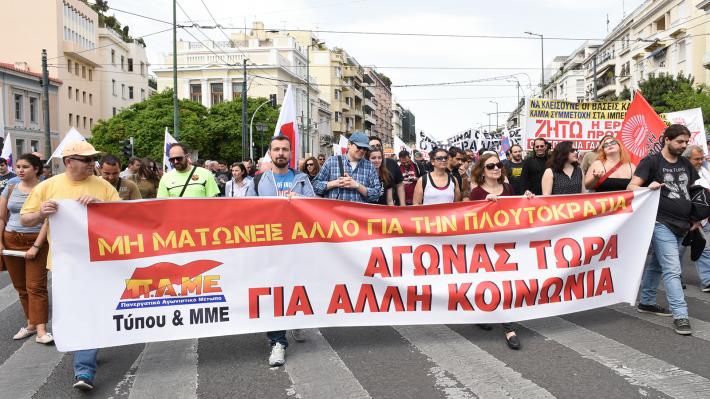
<point>542,59</point>
<point>261,128</point>
<point>308,91</point>
<point>251,129</point>
<point>491,101</point>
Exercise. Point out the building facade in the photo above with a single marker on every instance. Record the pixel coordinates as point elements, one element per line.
<point>21,115</point>
<point>69,30</point>
<point>397,113</point>
<point>382,103</point>
<point>211,72</point>
<point>568,83</point>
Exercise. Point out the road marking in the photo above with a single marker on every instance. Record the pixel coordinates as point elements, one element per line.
<point>167,370</point>
<point>317,371</point>
<point>24,373</point>
<point>701,329</point>
<point>480,372</point>
<point>8,296</point>
<point>123,388</point>
<point>636,367</point>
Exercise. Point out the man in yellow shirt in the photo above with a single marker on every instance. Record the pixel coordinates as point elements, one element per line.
<point>186,180</point>
<point>79,183</point>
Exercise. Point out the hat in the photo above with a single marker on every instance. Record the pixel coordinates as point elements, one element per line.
<point>359,139</point>
<point>79,147</point>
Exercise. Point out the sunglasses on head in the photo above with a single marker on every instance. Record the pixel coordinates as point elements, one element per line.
<point>176,159</point>
<point>610,143</point>
<point>84,159</point>
<point>491,166</point>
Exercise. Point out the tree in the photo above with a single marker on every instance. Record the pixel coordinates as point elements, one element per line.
<point>146,121</point>
<point>224,124</point>
<point>385,79</point>
<point>625,94</point>
<point>657,87</point>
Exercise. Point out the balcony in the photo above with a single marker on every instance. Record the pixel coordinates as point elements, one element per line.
<point>80,53</point>
<point>369,105</point>
<point>370,118</point>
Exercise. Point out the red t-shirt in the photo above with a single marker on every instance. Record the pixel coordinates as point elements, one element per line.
<point>478,193</point>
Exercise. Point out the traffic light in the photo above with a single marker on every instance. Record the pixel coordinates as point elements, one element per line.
<point>127,147</point>
<point>272,100</point>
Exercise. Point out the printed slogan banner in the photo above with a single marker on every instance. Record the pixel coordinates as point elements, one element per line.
<point>159,270</point>
<point>584,123</point>
<point>475,140</point>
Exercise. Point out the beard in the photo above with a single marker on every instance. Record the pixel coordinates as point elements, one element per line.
<point>280,162</point>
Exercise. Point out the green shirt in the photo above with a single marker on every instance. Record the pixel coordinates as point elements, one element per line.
<point>202,184</point>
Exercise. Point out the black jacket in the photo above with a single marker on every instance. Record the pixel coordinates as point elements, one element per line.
<point>533,169</point>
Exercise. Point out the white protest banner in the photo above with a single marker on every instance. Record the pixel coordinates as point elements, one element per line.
<point>693,120</point>
<point>168,140</point>
<point>156,270</point>
<point>400,145</point>
<point>475,140</point>
<point>425,143</point>
<point>584,123</point>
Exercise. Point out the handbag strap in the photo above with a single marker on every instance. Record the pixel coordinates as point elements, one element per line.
<point>189,177</point>
<point>607,174</point>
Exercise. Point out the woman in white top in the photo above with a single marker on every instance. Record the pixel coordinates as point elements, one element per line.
<point>237,187</point>
<point>437,187</point>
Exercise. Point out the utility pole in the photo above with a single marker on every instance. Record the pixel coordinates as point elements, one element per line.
<point>308,98</point>
<point>542,60</point>
<point>245,138</point>
<point>594,76</point>
<point>176,104</point>
<point>45,106</point>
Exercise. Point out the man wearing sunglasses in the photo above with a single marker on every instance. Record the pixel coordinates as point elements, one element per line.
<point>78,183</point>
<point>534,167</point>
<point>350,177</point>
<point>186,180</point>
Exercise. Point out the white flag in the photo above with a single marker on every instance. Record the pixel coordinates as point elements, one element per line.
<point>169,140</point>
<point>7,151</point>
<point>72,135</point>
<point>399,145</point>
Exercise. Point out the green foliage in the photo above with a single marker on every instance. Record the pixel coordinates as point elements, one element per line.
<point>385,79</point>
<point>216,133</point>
<point>668,94</point>
<point>625,94</point>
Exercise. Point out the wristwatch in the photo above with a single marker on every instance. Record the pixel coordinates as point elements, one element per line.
<point>357,186</point>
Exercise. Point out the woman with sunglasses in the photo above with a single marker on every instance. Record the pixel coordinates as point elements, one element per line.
<point>488,175</point>
<point>613,170</point>
<point>563,174</point>
<point>437,187</point>
<point>28,273</point>
<point>311,168</point>
<point>377,157</point>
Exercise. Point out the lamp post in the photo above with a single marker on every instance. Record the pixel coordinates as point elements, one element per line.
<point>491,101</point>
<point>308,92</point>
<point>542,59</point>
<point>251,129</point>
<point>261,128</point>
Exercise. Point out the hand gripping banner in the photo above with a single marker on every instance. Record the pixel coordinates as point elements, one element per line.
<point>158,270</point>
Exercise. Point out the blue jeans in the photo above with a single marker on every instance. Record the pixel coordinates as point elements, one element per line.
<point>703,263</point>
<point>85,363</point>
<point>664,263</point>
<point>277,336</point>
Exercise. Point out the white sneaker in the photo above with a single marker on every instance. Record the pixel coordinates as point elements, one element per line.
<point>24,333</point>
<point>45,339</point>
<point>299,335</point>
<point>278,355</point>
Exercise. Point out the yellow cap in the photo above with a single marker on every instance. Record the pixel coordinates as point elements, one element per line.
<point>79,147</point>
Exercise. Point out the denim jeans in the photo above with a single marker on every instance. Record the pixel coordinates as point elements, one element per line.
<point>85,363</point>
<point>277,336</point>
<point>703,263</point>
<point>664,263</point>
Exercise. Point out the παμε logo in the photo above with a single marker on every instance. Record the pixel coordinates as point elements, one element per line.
<point>170,284</point>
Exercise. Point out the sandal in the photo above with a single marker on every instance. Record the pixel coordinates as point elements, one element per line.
<point>24,333</point>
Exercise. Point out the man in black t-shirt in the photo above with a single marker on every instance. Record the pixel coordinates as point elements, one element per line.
<point>392,166</point>
<point>534,167</point>
<point>673,174</point>
<point>455,160</point>
<point>222,175</point>
<point>514,169</point>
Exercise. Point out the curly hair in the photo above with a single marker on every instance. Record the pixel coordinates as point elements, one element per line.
<point>560,155</point>
<point>477,172</point>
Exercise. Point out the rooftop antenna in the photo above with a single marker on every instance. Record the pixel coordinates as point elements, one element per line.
<point>607,23</point>
<point>623,9</point>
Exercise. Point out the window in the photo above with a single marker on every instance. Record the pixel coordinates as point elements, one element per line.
<point>123,91</point>
<point>33,109</point>
<point>217,91</point>
<point>681,50</point>
<point>113,86</point>
<point>34,145</point>
<point>83,72</point>
<point>76,91</point>
<point>130,92</point>
<point>69,65</point>
<point>142,94</point>
<point>76,69</point>
<point>142,69</point>
<point>122,62</point>
<point>91,123</point>
<point>660,24</point>
<point>349,101</point>
<point>113,57</point>
<point>114,111</point>
<point>236,90</point>
<point>71,119</point>
<point>338,72</point>
<point>91,99</point>
<point>20,145</point>
<point>69,92</point>
<point>91,75</point>
<point>83,97</point>
<point>77,121</point>
<point>196,92</point>
<point>18,107</point>
<point>337,94</point>
<point>130,65</point>
<point>338,116</point>
<point>84,122</point>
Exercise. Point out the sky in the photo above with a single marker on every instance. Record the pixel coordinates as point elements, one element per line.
<point>440,111</point>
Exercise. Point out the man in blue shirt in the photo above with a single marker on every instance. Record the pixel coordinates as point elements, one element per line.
<point>351,177</point>
<point>280,181</point>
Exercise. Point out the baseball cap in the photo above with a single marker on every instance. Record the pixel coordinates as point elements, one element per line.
<point>79,147</point>
<point>359,139</point>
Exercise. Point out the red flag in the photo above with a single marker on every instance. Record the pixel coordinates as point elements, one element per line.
<point>642,129</point>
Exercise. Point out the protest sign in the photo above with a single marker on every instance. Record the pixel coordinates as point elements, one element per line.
<point>475,140</point>
<point>583,123</point>
<point>693,120</point>
<point>425,143</point>
<point>159,270</point>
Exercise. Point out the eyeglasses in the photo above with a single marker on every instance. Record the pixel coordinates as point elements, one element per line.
<point>441,159</point>
<point>83,159</point>
<point>491,166</point>
<point>574,151</point>
<point>541,146</point>
<point>361,148</point>
<point>310,164</point>
<point>176,159</point>
<point>610,143</point>
<point>376,146</point>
